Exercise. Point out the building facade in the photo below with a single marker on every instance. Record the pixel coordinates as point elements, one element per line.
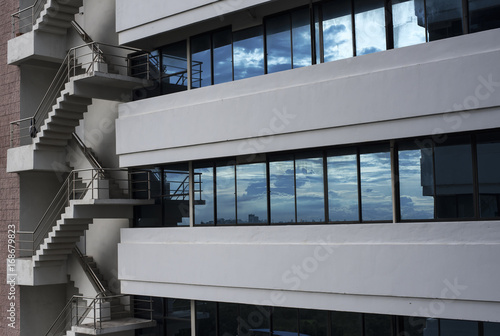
<point>256,167</point>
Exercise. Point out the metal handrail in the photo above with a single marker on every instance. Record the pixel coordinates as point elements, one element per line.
<point>30,14</point>
<point>95,281</point>
<point>87,152</point>
<point>83,59</point>
<point>74,188</point>
<point>71,316</point>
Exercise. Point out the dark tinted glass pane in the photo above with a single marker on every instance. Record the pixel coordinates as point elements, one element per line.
<point>178,317</point>
<point>248,53</point>
<point>254,321</point>
<point>285,321</point>
<point>491,329</point>
<point>174,67</point>
<point>414,326</point>
<point>313,322</point>
<point>444,18</point>
<point>204,195</point>
<point>453,171</point>
<point>278,43</point>
<point>483,15</point>
<point>301,38</point>
<point>376,187</point>
<point>378,325</point>
<point>343,186</point>
<point>282,186</point>
<point>206,318</point>
<point>251,193</point>
<point>228,319</point>
<point>223,56</point>
<point>310,190</point>
<point>347,324</point>
<point>416,181</point>
<point>201,61</point>
<point>409,22</point>
<point>226,192</point>
<point>488,162</point>
<point>369,23</point>
<point>431,327</point>
<point>337,30</point>
<point>458,328</point>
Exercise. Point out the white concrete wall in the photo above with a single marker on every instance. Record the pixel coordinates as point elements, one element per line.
<point>135,22</point>
<point>447,270</point>
<point>393,94</point>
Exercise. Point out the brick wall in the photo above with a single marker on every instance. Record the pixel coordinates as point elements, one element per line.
<point>9,183</point>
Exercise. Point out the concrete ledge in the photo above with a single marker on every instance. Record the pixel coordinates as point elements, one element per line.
<point>28,275</point>
<point>36,47</point>
<point>25,158</point>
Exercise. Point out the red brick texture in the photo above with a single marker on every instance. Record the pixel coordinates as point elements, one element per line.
<point>9,183</point>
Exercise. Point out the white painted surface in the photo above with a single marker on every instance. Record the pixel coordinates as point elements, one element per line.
<point>400,267</point>
<point>135,22</point>
<point>397,93</point>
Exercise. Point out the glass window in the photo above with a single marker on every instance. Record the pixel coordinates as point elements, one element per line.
<point>416,181</point>
<point>337,30</point>
<point>483,15</point>
<point>225,193</point>
<point>369,23</point>
<point>228,319</point>
<point>444,19</point>
<point>408,22</point>
<point>248,52</point>
<point>343,186</point>
<point>206,318</point>
<point>204,195</point>
<point>453,174</point>
<point>223,56</point>
<point>301,38</point>
<point>378,325</point>
<point>313,322</point>
<point>178,317</point>
<point>278,43</point>
<point>282,187</point>
<point>174,67</point>
<point>285,321</point>
<point>488,165</point>
<point>347,324</point>
<point>317,34</point>
<point>491,329</point>
<point>376,186</point>
<point>458,328</point>
<point>201,61</point>
<point>414,326</point>
<point>310,190</point>
<point>254,321</point>
<point>251,193</point>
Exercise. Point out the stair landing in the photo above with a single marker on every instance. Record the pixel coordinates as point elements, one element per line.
<point>112,326</point>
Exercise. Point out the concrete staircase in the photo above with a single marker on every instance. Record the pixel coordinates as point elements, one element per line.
<point>56,16</point>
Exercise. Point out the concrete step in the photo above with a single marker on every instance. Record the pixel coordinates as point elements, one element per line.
<point>67,114</point>
<point>74,106</point>
<point>51,29</point>
<point>50,251</point>
<point>55,21</point>
<point>55,135</point>
<point>52,142</point>
<point>58,120</point>
<point>59,245</point>
<point>52,127</point>
<point>51,257</point>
